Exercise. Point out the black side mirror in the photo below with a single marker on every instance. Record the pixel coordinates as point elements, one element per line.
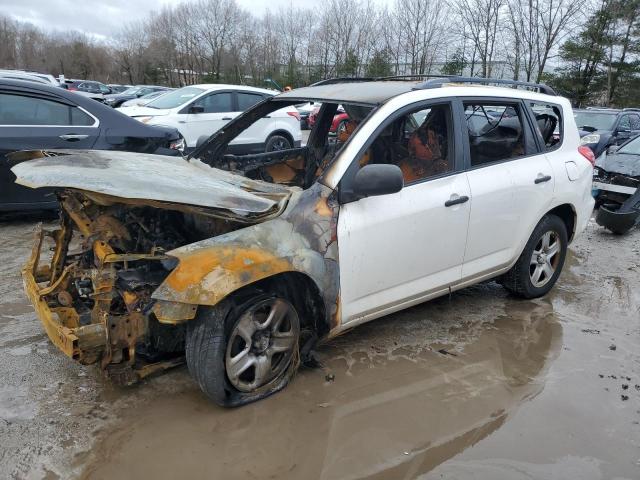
<point>196,109</point>
<point>377,179</point>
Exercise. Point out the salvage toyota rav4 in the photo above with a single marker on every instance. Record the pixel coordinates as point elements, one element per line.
<point>240,264</point>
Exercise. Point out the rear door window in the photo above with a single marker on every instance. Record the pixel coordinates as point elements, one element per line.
<point>31,111</point>
<point>548,122</point>
<point>496,132</point>
<point>216,103</point>
<point>247,100</point>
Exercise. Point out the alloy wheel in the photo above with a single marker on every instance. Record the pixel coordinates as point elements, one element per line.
<point>261,344</point>
<point>545,258</point>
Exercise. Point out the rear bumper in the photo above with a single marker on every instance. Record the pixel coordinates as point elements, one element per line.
<point>82,343</point>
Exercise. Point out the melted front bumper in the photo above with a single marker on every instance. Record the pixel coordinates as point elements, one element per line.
<point>82,343</point>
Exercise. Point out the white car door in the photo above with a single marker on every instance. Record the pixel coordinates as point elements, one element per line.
<point>510,181</point>
<point>207,115</point>
<point>399,249</point>
<point>254,136</point>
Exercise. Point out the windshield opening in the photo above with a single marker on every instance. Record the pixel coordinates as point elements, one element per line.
<point>597,121</point>
<point>176,98</point>
<point>132,90</point>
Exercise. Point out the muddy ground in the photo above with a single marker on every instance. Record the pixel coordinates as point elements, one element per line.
<point>479,385</point>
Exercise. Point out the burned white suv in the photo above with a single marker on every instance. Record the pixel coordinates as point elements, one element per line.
<point>241,263</point>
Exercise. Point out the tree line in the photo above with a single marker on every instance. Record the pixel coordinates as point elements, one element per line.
<point>589,50</point>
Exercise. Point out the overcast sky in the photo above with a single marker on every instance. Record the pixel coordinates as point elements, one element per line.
<point>102,18</point>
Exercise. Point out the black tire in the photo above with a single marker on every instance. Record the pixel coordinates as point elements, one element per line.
<point>519,280</point>
<point>206,345</point>
<point>277,142</point>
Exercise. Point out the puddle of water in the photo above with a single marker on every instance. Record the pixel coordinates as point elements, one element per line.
<point>389,413</point>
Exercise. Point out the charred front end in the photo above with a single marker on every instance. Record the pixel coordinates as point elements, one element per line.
<point>94,295</point>
<point>120,215</point>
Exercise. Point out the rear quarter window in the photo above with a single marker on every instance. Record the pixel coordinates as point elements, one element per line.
<point>549,124</point>
<point>247,100</point>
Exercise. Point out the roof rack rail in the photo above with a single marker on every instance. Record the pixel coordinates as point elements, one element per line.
<point>439,82</point>
<point>631,109</point>
<point>413,76</point>
<point>330,81</point>
<point>416,76</point>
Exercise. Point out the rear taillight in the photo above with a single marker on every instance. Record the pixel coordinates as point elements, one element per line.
<point>587,153</point>
<point>295,115</point>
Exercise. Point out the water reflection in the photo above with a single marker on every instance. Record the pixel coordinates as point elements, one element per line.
<point>385,416</point>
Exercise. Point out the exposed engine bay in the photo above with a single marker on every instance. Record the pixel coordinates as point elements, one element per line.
<point>108,260</point>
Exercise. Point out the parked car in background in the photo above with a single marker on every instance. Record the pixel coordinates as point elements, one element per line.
<point>115,88</point>
<point>87,86</point>
<point>25,77</point>
<point>116,99</point>
<point>338,123</point>
<point>30,76</point>
<point>602,127</point>
<point>305,110</point>
<point>142,101</point>
<point>37,116</point>
<point>616,183</point>
<point>197,111</point>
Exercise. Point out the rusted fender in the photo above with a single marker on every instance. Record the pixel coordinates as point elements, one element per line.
<point>301,240</point>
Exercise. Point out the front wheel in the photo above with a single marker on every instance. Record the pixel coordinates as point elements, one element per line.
<point>242,353</point>
<point>541,261</point>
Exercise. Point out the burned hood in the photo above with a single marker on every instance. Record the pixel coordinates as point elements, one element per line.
<point>145,177</point>
<point>622,163</point>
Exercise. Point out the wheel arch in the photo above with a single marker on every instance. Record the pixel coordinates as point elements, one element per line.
<point>567,213</point>
<point>301,290</point>
<point>271,254</point>
<point>281,132</point>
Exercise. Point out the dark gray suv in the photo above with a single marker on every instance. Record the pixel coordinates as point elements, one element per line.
<point>601,128</point>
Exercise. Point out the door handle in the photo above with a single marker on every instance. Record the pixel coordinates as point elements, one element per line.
<point>227,118</point>
<point>72,137</point>
<point>456,201</point>
<point>542,179</point>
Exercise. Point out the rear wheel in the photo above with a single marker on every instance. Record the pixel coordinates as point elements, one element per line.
<point>276,143</point>
<point>242,353</point>
<point>541,261</point>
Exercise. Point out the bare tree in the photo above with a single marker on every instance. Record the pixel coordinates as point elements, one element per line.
<point>482,19</point>
<point>554,16</point>
<point>421,33</point>
<point>216,22</point>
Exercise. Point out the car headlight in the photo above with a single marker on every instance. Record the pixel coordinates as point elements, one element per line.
<point>591,138</point>
<point>178,145</point>
<point>144,119</point>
